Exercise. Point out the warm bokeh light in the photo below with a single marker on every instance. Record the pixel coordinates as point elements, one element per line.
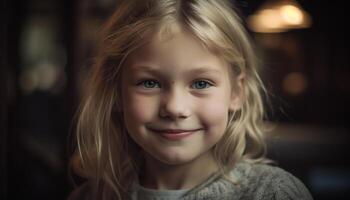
<point>267,20</point>
<point>279,16</point>
<point>291,14</point>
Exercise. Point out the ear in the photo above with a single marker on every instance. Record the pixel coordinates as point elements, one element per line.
<point>237,93</point>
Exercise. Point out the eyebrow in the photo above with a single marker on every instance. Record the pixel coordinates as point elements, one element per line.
<point>199,70</point>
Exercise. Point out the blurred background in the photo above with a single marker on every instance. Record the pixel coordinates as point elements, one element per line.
<point>47,46</point>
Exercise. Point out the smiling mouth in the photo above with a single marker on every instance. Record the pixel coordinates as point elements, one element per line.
<point>175,134</point>
<point>174,131</point>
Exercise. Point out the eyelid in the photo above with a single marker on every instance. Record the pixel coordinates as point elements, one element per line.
<point>141,81</point>
<point>208,84</point>
<point>205,80</point>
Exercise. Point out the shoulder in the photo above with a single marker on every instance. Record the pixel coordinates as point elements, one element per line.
<point>269,182</point>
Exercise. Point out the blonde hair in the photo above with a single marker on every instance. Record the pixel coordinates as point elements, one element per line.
<point>105,150</point>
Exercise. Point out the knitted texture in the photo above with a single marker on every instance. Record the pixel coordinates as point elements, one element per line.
<point>251,182</point>
<point>255,182</point>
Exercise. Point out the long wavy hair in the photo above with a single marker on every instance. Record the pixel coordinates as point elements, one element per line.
<point>105,152</point>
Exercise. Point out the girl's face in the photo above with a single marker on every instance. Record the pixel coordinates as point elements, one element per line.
<point>176,97</point>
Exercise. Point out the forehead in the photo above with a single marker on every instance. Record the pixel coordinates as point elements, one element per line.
<point>175,47</point>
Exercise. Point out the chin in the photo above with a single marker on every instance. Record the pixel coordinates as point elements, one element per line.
<point>174,159</point>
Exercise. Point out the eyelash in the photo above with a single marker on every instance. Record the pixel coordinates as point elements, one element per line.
<point>142,83</point>
<point>207,83</point>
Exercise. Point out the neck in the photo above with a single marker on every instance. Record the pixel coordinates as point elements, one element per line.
<point>161,176</point>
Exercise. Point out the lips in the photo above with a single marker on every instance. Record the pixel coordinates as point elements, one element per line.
<point>170,131</point>
<point>173,131</point>
<point>175,134</point>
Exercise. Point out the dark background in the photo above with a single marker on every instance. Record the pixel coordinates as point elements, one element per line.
<point>46,47</point>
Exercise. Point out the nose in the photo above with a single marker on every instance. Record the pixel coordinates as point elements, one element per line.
<point>174,105</point>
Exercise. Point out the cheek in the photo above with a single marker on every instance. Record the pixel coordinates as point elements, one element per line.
<point>139,108</point>
<point>214,112</point>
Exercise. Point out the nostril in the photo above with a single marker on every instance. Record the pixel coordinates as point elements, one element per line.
<point>174,104</point>
<point>174,111</point>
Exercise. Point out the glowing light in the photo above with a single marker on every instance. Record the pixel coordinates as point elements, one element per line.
<point>291,14</point>
<point>270,18</point>
<point>267,20</point>
<point>279,16</point>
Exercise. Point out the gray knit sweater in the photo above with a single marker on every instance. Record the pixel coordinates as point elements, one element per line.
<point>255,182</point>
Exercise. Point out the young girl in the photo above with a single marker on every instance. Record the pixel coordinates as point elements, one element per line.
<point>173,109</point>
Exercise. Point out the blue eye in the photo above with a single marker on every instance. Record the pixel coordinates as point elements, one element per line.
<point>201,84</point>
<point>149,83</point>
